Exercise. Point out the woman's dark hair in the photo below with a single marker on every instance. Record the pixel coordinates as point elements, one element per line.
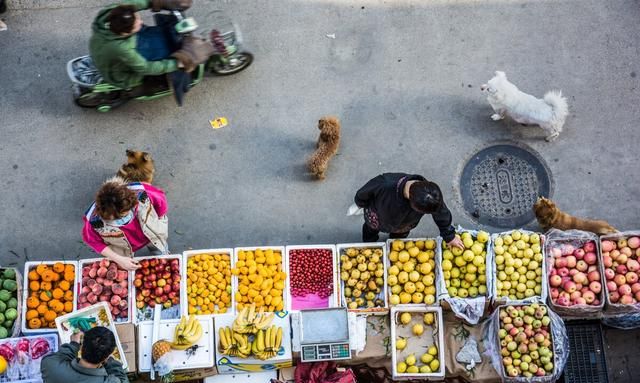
<point>425,196</point>
<point>97,344</point>
<point>113,199</point>
<point>121,19</point>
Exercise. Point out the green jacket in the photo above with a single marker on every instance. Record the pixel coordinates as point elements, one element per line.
<point>116,57</point>
<point>63,367</point>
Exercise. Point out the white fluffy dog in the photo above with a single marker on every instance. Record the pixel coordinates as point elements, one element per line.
<point>506,99</point>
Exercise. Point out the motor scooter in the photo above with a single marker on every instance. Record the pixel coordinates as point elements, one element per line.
<point>89,91</point>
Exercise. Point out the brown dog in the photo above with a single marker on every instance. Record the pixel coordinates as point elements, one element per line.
<point>549,215</point>
<point>139,167</point>
<point>327,146</point>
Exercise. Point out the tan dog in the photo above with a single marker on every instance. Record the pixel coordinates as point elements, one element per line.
<point>327,146</point>
<point>139,167</point>
<point>549,215</point>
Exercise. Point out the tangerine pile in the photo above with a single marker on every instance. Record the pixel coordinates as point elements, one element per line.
<point>260,279</point>
<point>50,294</point>
<point>209,283</point>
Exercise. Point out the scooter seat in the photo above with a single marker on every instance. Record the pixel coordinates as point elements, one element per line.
<point>81,71</point>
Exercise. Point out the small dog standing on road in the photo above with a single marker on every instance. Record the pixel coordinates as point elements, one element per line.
<point>139,167</point>
<point>505,98</point>
<point>327,146</point>
<point>549,215</point>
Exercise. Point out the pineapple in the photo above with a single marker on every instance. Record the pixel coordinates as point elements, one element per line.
<point>160,348</point>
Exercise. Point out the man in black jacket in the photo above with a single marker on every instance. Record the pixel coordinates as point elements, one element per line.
<point>394,203</point>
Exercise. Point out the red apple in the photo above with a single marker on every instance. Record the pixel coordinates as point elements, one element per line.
<point>158,291</point>
<point>555,280</point>
<point>595,286</point>
<point>589,297</point>
<point>624,290</point>
<point>637,295</point>
<point>563,301</point>
<point>589,246</point>
<point>563,272</point>
<point>607,261</point>
<point>609,274</point>
<point>140,305</point>
<point>633,265</point>
<point>569,287</point>
<point>582,265</point>
<point>580,278</point>
<point>554,293</point>
<point>611,286</point>
<point>162,282</point>
<point>626,299</point>
<point>614,296</point>
<point>578,253</point>
<point>561,262</point>
<point>166,289</point>
<point>620,280</point>
<point>590,258</point>
<point>621,269</point>
<point>580,301</point>
<point>571,261</point>
<point>635,288</point>
<point>631,277</point>
<point>608,245</point>
<point>593,276</point>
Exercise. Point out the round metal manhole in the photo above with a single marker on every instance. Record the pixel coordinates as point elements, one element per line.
<point>500,184</point>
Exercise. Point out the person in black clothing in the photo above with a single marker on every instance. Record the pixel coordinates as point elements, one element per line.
<point>394,203</point>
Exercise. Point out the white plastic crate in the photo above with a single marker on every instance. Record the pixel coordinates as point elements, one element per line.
<point>334,299</point>
<point>28,373</point>
<point>171,313</point>
<point>184,306</point>
<point>383,294</point>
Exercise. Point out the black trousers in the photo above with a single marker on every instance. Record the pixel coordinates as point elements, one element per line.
<point>372,235</point>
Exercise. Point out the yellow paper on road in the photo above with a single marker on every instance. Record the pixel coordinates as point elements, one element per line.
<point>219,122</point>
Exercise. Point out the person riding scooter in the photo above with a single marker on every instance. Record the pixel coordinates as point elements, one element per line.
<point>118,48</point>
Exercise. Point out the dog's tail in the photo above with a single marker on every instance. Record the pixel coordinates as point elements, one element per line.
<point>559,106</point>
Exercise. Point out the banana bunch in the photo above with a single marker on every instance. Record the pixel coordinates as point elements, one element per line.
<point>248,322</point>
<point>187,333</point>
<point>267,342</point>
<point>233,343</point>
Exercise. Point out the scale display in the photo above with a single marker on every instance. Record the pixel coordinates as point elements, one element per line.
<point>324,334</point>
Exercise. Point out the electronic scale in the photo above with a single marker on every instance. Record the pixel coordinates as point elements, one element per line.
<point>324,334</point>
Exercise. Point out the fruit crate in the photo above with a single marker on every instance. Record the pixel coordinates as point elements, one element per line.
<point>574,238</point>
<point>436,268</point>
<point>587,362</point>
<point>66,330</point>
<point>333,299</point>
<point>502,300</point>
<point>432,335</point>
<point>470,308</point>
<point>146,314</point>
<point>380,310</point>
<point>235,279</point>
<point>203,357</point>
<point>620,309</point>
<point>25,293</point>
<point>129,298</point>
<point>18,295</point>
<point>185,259</point>
<point>559,347</point>
<point>28,373</point>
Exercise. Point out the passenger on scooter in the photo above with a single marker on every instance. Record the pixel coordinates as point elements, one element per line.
<point>115,39</point>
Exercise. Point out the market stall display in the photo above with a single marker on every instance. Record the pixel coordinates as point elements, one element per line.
<point>417,343</point>
<point>207,275</point>
<point>10,302</point>
<point>519,267</point>
<point>187,343</point>
<point>47,294</point>
<point>621,268</point>
<point>466,275</point>
<point>157,282</point>
<point>361,287</point>
<point>86,319</point>
<point>20,357</point>
<point>312,270</point>
<point>527,343</point>
<point>574,276</point>
<point>259,277</point>
<point>104,281</point>
<point>411,271</point>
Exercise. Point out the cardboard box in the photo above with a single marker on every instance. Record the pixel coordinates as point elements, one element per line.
<point>194,374</point>
<point>127,334</point>
<point>230,365</point>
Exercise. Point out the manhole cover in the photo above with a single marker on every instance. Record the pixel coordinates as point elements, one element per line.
<point>500,184</point>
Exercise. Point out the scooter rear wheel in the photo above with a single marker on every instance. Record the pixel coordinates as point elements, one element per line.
<point>94,99</point>
<point>243,60</point>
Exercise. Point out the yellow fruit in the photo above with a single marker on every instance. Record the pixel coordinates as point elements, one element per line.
<point>401,367</point>
<point>414,251</point>
<point>405,297</point>
<point>405,318</point>
<point>426,358</point>
<point>413,370</point>
<point>433,350</point>
<point>428,319</point>
<point>425,370</point>
<point>417,329</point>
<point>410,360</point>
<point>394,299</point>
<point>434,365</point>
<point>401,343</point>
<point>3,365</point>
<point>414,276</point>
<point>403,256</point>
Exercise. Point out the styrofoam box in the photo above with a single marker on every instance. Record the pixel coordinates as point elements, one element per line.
<point>32,373</point>
<point>130,296</point>
<point>437,338</point>
<point>234,278</point>
<point>170,313</point>
<point>334,300</point>
<point>542,298</point>
<point>203,357</point>
<point>369,245</point>
<point>65,336</point>
<point>233,365</point>
<point>25,293</point>
<point>184,299</point>
<point>254,377</point>
<point>436,269</point>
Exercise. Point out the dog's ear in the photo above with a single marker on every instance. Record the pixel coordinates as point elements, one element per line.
<point>501,74</point>
<point>129,153</point>
<point>146,157</point>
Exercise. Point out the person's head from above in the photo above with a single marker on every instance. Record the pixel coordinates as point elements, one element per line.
<point>425,197</point>
<point>124,20</point>
<point>97,345</point>
<point>115,200</point>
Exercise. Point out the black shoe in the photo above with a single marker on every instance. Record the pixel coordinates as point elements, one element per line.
<point>3,6</point>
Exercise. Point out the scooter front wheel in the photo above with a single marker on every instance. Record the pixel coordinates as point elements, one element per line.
<point>233,65</point>
<point>95,99</point>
